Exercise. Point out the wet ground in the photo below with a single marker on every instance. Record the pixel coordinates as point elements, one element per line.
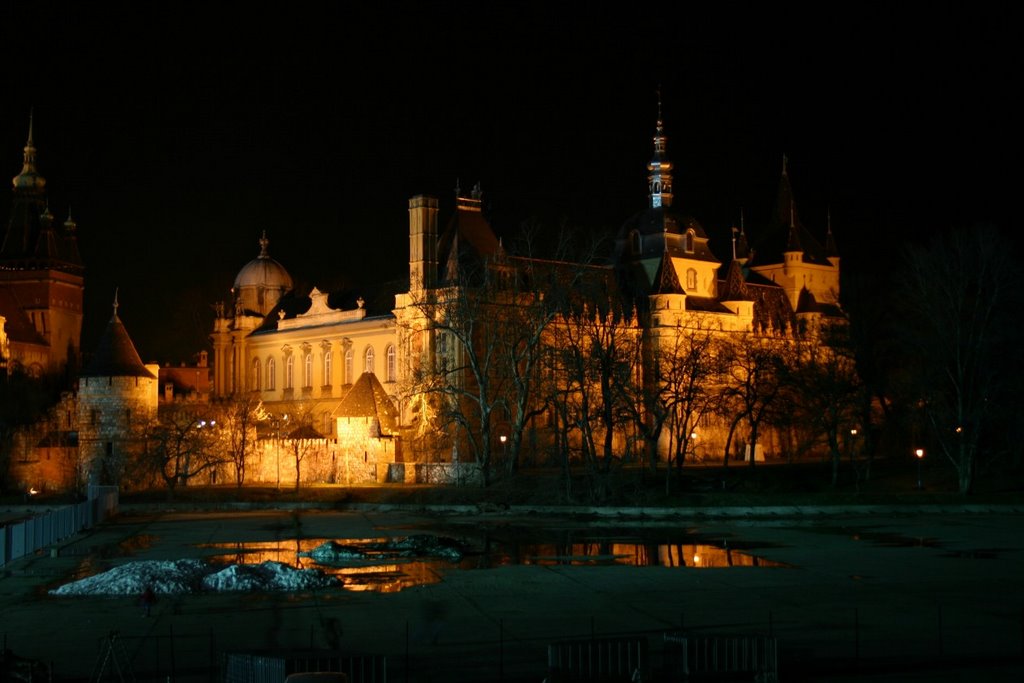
<point>847,597</point>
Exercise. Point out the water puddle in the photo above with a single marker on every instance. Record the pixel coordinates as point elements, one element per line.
<point>390,564</point>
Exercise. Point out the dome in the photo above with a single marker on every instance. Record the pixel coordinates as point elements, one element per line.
<point>261,282</point>
<point>263,272</point>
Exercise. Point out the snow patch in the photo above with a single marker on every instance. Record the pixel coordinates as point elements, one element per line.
<point>194,576</point>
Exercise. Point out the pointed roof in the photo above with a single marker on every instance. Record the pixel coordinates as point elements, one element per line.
<point>115,354</point>
<point>659,169</point>
<point>666,280</point>
<point>29,181</point>
<point>368,399</point>
<point>468,237</point>
<point>788,232</point>
<point>735,287</point>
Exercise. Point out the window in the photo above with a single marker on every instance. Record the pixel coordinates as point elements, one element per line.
<point>348,366</point>
<point>327,368</point>
<point>691,279</point>
<point>256,384</point>
<point>688,242</point>
<point>307,370</point>
<point>271,372</point>
<point>289,372</point>
<point>368,366</point>
<point>392,375</point>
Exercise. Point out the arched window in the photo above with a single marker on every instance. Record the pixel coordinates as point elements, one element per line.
<point>256,384</point>
<point>368,365</point>
<point>289,373</point>
<point>349,379</point>
<point>271,373</point>
<point>392,375</point>
<point>307,370</point>
<point>327,368</point>
<point>688,242</point>
<point>691,279</point>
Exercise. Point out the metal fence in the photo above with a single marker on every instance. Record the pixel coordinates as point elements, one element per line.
<point>42,531</point>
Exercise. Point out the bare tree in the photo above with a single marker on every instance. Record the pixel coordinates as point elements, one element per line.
<point>180,444</point>
<point>690,369</point>
<point>825,389</point>
<point>239,416</point>
<point>960,292</point>
<point>598,345</point>
<point>754,383</point>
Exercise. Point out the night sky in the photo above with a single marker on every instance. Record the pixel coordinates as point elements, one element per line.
<point>177,135</point>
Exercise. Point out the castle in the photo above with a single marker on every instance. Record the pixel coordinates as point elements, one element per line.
<point>403,381</point>
<point>308,351</point>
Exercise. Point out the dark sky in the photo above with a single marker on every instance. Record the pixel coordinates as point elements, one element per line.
<point>178,133</point>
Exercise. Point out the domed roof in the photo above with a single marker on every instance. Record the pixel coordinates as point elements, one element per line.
<point>263,271</point>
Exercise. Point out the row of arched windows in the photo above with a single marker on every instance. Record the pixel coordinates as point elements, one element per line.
<point>268,382</point>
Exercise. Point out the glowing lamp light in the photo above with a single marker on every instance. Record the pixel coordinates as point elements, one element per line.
<point>853,432</point>
<point>696,559</point>
<point>919,452</point>
<point>693,435</point>
<point>503,438</point>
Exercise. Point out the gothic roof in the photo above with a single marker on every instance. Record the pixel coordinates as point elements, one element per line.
<point>17,325</point>
<point>466,240</point>
<point>368,399</point>
<point>115,354</point>
<point>788,233</point>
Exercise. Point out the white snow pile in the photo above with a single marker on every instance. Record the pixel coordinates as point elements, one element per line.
<point>196,576</point>
<point>397,549</point>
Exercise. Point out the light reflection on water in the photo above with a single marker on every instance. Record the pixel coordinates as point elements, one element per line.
<point>386,571</point>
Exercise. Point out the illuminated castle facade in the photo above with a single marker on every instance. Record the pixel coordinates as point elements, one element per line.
<point>41,280</point>
<point>305,351</point>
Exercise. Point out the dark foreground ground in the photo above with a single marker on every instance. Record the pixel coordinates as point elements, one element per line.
<point>869,581</point>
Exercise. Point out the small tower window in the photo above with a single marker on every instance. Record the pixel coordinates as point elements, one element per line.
<point>688,242</point>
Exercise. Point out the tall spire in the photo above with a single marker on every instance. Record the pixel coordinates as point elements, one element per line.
<point>29,179</point>
<point>659,170</point>
<point>831,250</point>
<point>264,243</point>
<point>115,303</point>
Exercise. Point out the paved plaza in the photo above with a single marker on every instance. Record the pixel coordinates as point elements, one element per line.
<point>864,595</point>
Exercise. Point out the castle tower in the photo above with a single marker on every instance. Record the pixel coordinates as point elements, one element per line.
<point>41,277</point>
<point>117,396</point>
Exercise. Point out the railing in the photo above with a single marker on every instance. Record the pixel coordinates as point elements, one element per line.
<point>724,655</point>
<point>598,659</point>
<point>38,532</point>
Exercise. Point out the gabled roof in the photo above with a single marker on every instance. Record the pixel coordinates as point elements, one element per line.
<point>368,399</point>
<point>468,239</point>
<point>115,355</point>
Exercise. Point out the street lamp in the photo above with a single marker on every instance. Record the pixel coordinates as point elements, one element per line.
<point>919,452</point>
<point>504,447</point>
